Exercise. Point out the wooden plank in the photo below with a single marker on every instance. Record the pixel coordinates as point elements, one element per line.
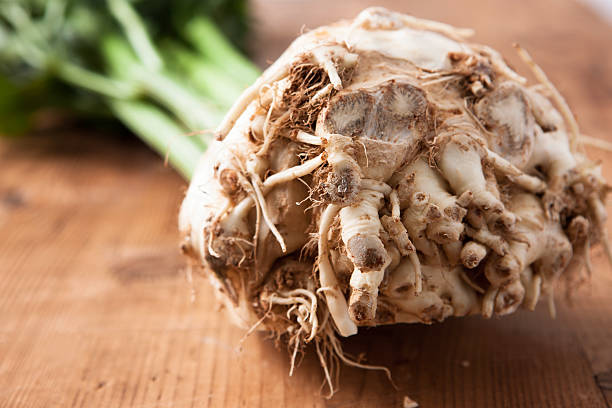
<point>96,311</point>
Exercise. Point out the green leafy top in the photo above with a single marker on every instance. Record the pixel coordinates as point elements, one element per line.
<point>45,44</point>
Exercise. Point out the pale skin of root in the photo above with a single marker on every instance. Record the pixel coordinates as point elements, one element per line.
<point>379,17</point>
<point>447,227</point>
<point>375,185</point>
<point>460,163</point>
<point>444,293</point>
<point>415,219</point>
<point>265,213</point>
<point>529,183</point>
<point>552,152</point>
<point>488,239</point>
<point>545,114</point>
<point>307,138</point>
<point>324,58</point>
<point>360,230</point>
<point>557,97</point>
<point>336,303</point>
<point>544,244</point>
<point>543,241</point>
<point>497,61</point>
<point>323,92</point>
<point>395,204</point>
<point>293,173</point>
<point>393,225</point>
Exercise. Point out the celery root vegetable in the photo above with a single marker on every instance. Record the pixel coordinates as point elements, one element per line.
<point>387,170</point>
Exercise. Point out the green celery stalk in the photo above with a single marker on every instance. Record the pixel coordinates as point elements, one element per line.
<point>105,48</point>
<point>195,112</point>
<point>92,81</point>
<point>137,35</point>
<point>161,133</point>
<point>211,80</point>
<point>210,42</point>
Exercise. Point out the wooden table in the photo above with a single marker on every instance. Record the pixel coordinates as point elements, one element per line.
<point>96,310</point>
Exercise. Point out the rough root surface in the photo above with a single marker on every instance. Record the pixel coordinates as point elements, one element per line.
<point>386,170</point>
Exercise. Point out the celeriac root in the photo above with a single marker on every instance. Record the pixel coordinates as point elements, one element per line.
<point>436,184</point>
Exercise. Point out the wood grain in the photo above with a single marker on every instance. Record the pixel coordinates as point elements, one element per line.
<point>96,309</point>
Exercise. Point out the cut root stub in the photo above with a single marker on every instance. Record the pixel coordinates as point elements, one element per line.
<point>362,306</point>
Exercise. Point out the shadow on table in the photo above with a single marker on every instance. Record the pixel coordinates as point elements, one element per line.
<point>525,359</point>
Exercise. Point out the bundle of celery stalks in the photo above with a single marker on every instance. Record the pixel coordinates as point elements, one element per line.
<point>164,69</point>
